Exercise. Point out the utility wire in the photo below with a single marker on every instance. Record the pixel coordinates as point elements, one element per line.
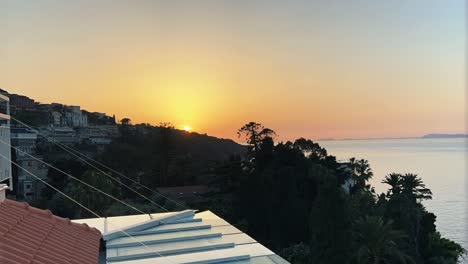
<point>87,209</point>
<point>71,176</point>
<point>46,183</point>
<point>83,157</point>
<point>78,203</point>
<point>80,157</point>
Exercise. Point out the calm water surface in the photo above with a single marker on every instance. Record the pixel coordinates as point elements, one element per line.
<point>441,163</point>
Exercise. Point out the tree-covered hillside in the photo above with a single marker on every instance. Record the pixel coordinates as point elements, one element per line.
<point>294,197</point>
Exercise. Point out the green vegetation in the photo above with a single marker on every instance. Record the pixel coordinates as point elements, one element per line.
<point>33,118</point>
<point>153,156</point>
<point>290,196</point>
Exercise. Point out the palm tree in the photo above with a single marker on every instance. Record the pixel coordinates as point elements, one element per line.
<point>377,242</point>
<point>362,172</point>
<point>394,180</point>
<point>413,185</point>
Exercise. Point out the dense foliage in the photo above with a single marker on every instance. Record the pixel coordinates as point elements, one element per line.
<point>159,156</point>
<point>291,196</point>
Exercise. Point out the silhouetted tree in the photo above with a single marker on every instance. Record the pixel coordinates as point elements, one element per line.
<point>378,243</point>
<point>253,134</point>
<point>88,197</point>
<point>394,180</point>
<point>126,121</point>
<point>361,173</point>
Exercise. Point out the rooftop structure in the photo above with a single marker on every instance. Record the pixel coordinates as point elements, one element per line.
<point>33,236</point>
<point>180,237</point>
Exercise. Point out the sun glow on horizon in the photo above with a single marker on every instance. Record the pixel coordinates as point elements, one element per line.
<point>213,66</point>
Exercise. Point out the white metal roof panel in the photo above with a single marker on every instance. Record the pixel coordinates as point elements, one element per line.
<point>271,259</point>
<point>201,238</point>
<point>251,250</point>
<point>237,239</point>
<point>110,224</point>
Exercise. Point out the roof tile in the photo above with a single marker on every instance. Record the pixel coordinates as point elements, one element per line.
<point>34,236</point>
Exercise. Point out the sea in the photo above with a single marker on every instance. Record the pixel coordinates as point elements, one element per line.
<point>442,164</point>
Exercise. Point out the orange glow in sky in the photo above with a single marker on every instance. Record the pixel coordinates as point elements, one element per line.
<point>311,69</point>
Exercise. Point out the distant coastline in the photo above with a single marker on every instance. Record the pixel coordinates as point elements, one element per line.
<point>445,136</point>
<point>427,136</point>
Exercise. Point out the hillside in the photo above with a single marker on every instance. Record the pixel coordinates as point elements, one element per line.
<point>161,156</point>
<point>164,156</point>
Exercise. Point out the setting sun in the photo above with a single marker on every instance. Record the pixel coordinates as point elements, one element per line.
<point>336,117</point>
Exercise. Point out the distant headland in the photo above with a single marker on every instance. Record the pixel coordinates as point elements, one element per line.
<point>445,136</point>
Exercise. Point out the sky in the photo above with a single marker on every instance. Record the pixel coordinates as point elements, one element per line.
<point>315,69</point>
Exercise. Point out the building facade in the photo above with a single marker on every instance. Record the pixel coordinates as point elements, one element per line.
<point>25,141</point>
<point>5,150</point>
<point>28,186</point>
<point>74,117</point>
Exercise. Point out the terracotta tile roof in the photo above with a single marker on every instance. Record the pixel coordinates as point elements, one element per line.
<point>34,236</point>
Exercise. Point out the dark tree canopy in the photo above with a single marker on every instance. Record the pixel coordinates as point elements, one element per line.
<point>253,134</point>
<point>294,197</point>
<point>126,121</point>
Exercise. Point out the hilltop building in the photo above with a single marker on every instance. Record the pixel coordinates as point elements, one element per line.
<point>30,187</point>
<point>97,135</point>
<point>19,101</point>
<point>66,116</point>
<point>74,117</point>
<point>25,142</point>
<point>55,119</point>
<point>23,139</point>
<point>63,135</point>
<point>68,125</point>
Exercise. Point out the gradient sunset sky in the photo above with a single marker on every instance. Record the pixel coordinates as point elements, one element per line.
<point>316,69</point>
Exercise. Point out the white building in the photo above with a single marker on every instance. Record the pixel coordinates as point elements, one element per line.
<point>56,118</point>
<point>5,150</point>
<point>29,186</point>
<point>64,135</point>
<point>96,135</point>
<point>74,117</point>
<point>24,140</point>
